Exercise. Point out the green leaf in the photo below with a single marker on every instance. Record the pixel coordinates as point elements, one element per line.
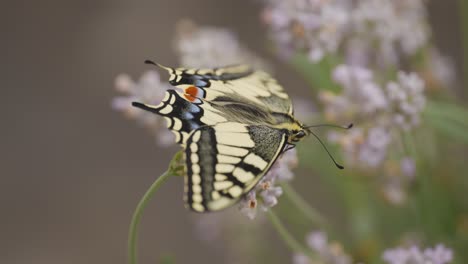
<point>445,110</point>
<point>448,119</point>
<point>449,129</point>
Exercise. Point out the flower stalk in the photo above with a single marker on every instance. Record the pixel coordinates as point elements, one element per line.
<point>175,169</point>
<point>310,212</point>
<point>287,237</point>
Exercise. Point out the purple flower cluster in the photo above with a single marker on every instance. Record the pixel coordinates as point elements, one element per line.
<point>149,89</point>
<point>326,251</point>
<point>265,194</point>
<point>414,255</point>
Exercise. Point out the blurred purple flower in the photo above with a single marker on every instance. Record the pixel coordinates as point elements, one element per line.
<point>441,69</point>
<point>413,255</point>
<point>209,47</point>
<point>406,95</point>
<point>408,167</point>
<point>314,27</point>
<point>327,252</point>
<point>321,27</point>
<point>148,89</point>
<point>393,26</point>
<point>379,110</point>
<point>266,188</point>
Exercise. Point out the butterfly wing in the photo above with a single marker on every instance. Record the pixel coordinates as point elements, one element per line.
<point>226,160</point>
<point>234,83</point>
<point>183,115</point>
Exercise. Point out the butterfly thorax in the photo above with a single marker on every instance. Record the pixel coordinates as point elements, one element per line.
<point>295,129</point>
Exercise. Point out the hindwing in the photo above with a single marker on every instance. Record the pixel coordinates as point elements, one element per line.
<point>183,115</point>
<point>227,160</point>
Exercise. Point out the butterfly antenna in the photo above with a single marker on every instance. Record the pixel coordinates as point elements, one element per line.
<point>329,154</point>
<point>328,125</point>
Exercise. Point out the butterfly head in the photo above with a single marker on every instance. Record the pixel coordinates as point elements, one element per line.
<point>298,132</point>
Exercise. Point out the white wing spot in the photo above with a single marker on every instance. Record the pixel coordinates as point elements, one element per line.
<point>222,185</point>
<point>196,188</point>
<point>235,139</point>
<point>219,204</point>
<point>197,198</point>
<point>196,136</point>
<point>215,195</point>
<point>224,168</point>
<point>232,151</point>
<point>231,127</point>
<point>242,175</point>
<point>235,191</point>
<point>198,207</point>
<point>166,110</point>
<point>196,179</point>
<point>177,124</point>
<point>173,98</point>
<point>194,158</point>
<point>227,159</point>
<point>193,147</point>
<point>195,168</point>
<point>256,161</point>
<point>220,177</point>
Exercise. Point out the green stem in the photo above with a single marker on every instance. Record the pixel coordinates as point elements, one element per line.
<point>290,241</point>
<point>310,212</point>
<point>133,232</point>
<point>464,27</point>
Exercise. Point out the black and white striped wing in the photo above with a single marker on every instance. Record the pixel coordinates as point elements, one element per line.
<point>235,83</point>
<point>226,160</point>
<point>184,113</point>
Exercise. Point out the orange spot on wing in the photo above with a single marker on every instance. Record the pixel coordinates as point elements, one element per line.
<point>189,97</point>
<point>191,93</point>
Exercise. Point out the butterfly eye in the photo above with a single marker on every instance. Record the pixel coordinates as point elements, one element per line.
<point>300,134</point>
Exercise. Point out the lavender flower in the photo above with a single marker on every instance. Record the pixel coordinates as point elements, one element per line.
<point>248,205</point>
<point>266,189</point>
<point>148,89</point>
<point>397,106</point>
<point>407,99</point>
<point>360,90</point>
<point>393,25</point>
<point>408,167</point>
<point>209,47</point>
<point>413,255</point>
<point>321,27</point>
<point>314,27</point>
<point>440,69</point>
<point>328,252</point>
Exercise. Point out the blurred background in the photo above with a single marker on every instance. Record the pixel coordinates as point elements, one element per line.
<point>72,169</point>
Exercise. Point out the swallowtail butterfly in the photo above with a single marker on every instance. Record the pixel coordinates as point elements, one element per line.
<point>233,123</point>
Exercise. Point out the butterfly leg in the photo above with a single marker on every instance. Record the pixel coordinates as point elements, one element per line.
<point>289,147</point>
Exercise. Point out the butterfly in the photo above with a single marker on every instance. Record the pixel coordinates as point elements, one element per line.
<point>233,123</point>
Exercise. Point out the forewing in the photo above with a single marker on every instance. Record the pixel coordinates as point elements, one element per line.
<point>226,160</point>
<point>234,83</point>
